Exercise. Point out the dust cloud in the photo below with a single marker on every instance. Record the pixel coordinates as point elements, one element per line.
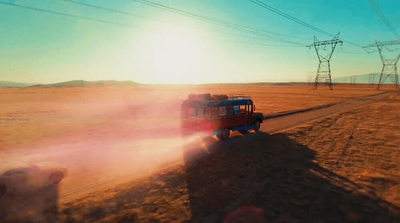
<point>103,136</point>
<point>107,135</point>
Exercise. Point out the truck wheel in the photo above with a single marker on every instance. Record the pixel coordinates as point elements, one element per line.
<point>257,125</point>
<point>223,134</point>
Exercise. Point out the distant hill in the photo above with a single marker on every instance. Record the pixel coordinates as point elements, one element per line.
<point>371,78</point>
<point>73,83</point>
<point>10,84</point>
<point>82,83</point>
<point>112,82</point>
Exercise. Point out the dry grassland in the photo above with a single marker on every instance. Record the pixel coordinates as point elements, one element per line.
<point>362,145</point>
<point>341,168</point>
<point>41,115</point>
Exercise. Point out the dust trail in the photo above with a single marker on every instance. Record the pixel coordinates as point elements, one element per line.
<point>110,136</point>
<point>93,166</point>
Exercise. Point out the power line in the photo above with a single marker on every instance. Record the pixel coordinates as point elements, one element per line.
<point>252,31</point>
<point>134,15</point>
<point>256,32</point>
<point>380,14</point>
<point>386,43</point>
<point>270,8</point>
<point>191,14</point>
<point>246,35</point>
<point>283,35</point>
<point>107,9</point>
<point>105,21</point>
<point>258,44</point>
<point>69,15</point>
<point>218,22</point>
<point>346,52</point>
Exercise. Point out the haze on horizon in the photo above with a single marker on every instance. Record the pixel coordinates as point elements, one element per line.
<point>183,42</point>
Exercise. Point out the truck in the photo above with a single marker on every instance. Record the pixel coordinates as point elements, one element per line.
<point>219,115</point>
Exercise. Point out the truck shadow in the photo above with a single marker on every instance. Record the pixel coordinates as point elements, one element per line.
<point>40,206</point>
<point>278,175</point>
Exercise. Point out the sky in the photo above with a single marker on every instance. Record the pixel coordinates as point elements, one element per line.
<point>188,41</point>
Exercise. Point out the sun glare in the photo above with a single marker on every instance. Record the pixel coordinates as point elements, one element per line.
<point>176,55</point>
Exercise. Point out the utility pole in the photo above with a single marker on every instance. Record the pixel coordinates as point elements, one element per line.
<point>371,79</point>
<point>353,80</point>
<point>324,66</point>
<point>389,68</point>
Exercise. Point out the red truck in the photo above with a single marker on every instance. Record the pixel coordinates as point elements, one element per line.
<point>219,114</point>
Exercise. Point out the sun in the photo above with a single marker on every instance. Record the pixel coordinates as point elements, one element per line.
<point>176,55</point>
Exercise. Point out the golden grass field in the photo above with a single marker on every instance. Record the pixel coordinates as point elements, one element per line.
<point>36,115</point>
<point>340,168</point>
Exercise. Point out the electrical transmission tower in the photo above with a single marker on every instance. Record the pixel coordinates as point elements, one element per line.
<point>353,80</point>
<point>324,66</point>
<point>389,68</point>
<point>371,79</point>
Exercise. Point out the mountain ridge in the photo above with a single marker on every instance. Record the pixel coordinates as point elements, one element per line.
<point>72,83</point>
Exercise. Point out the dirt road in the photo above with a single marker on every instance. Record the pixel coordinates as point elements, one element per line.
<point>291,120</point>
<point>97,163</point>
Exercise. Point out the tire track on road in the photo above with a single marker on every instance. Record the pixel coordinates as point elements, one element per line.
<point>299,117</point>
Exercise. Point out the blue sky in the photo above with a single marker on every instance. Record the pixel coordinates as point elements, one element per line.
<point>158,46</point>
